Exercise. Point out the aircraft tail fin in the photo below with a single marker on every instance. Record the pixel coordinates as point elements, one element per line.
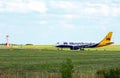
<point>106,40</point>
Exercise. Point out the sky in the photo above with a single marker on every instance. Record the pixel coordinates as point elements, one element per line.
<point>52,21</point>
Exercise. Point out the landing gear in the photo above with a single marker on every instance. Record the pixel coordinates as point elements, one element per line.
<point>59,49</point>
<point>81,49</point>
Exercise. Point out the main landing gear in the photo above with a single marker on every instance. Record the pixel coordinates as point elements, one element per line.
<point>81,49</point>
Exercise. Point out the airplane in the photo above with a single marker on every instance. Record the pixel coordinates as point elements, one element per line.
<point>80,45</point>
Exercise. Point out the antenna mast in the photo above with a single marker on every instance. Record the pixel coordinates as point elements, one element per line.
<point>7,41</point>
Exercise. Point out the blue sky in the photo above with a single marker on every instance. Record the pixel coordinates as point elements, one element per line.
<point>51,21</point>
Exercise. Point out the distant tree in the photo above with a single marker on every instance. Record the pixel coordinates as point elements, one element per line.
<point>28,44</point>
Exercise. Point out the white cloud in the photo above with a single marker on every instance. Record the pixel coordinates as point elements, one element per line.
<point>22,6</point>
<point>76,8</point>
<point>115,11</point>
<point>1,3</point>
<point>15,7</point>
<point>2,25</point>
<point>66,16</point>
<point>90,11</point>
<point>1,6</point>
<point>37,6</point>
<point>66,5</point>
<point>105,10</point>
<point>43,22</point>
<point>67,26</point>
<point>63,16</point>
<point>87,8</point>
<point>69,16</point>
<point>97,9</point>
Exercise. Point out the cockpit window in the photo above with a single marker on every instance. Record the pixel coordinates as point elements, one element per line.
<point>57,42</point>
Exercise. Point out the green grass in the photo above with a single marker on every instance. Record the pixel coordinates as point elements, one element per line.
<point>48,59</point>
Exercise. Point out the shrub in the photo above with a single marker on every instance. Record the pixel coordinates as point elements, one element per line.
<point>112,73</point>
<point>67,69</point>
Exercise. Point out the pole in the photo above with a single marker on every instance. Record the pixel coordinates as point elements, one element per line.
<point>7,39</point>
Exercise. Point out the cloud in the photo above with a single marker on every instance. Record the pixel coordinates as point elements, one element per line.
<point>2,25</point>
<point>69,16</point>
<point>37,6</point>
<point>15,7</point>
<point>22,6</point>
<point>87,8</point>
<point>43,22</point>
<point>90,11</point>
<point>115,11</point>
<point>105,9</point>
<point>62,4</point>
<point>67,26</point>
<point>98,9</point>
<point>67,9</point>
<point>66,16</point>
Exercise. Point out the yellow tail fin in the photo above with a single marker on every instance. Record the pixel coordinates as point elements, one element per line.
<point>106,40</point>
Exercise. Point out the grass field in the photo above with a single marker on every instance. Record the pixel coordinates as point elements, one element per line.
<point>44,61</point>
<point>48,59</point>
